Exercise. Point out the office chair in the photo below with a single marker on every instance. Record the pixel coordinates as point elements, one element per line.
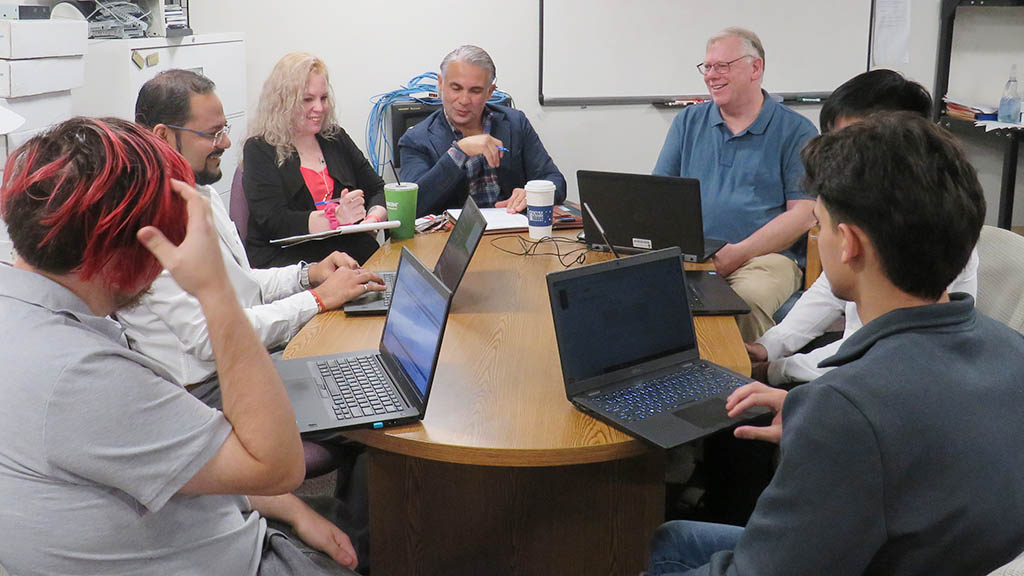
<point>1001,276</point>
<point>238,208</point>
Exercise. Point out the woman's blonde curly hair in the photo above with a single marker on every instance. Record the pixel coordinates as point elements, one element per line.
<point>280,103</point>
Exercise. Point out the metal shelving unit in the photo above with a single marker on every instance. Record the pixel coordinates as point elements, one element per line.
<point>1010,138</point>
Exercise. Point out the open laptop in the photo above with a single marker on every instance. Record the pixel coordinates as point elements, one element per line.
<point>629,354</point>
<point>379,388</point>
<point>642,212</point>
<point>450,267</point>
<point>709,293</point>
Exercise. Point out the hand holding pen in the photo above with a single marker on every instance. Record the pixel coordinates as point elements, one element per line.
<point>349,208</point>
<point>483,145</point>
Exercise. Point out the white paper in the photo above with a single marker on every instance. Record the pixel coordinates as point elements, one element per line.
<point>991,125</point>
<point>497,219</point>
<point>891,40</point>
<point>977,106</point>
<point>349,229</point>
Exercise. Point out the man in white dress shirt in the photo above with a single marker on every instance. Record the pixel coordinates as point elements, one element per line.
<point>775,355</point>
<point>181,107</point>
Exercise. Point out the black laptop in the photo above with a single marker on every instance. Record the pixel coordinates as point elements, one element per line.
<point>377,388</point>
<point>709,293</point>
<point>629,354</point>
<point>641,212</point>
<point>450,267</point>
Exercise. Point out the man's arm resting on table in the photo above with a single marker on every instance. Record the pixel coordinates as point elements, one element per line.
<point>263,453</point>
<point>775,236</point>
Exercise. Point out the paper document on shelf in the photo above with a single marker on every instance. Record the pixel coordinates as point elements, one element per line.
<point>498,219</point>
<point>349,229</point>
<point>991,125</point>
<point>977,107</point>
<point>891,43</point>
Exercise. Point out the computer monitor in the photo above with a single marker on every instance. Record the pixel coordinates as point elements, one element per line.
<point>404,115</point>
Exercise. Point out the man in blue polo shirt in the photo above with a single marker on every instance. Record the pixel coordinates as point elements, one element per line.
<point>745,150</point>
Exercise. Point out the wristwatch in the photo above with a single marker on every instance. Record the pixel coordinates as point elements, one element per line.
<point>304,275</point>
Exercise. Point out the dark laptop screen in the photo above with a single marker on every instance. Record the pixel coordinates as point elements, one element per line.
<point>415,323</point>
<point>454,259</point>
<point>621,316</point>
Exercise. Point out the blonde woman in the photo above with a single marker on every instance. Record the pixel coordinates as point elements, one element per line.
<point>302,173</point>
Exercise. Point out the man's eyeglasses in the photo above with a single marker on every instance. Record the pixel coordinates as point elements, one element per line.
<point>219,137</point>
<point>720,67</point>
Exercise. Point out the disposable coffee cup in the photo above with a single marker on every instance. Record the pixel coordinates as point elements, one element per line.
<point>540,200</point>
<point>400,200</point>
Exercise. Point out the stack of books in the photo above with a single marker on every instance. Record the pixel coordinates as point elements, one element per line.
<point>965,110</point>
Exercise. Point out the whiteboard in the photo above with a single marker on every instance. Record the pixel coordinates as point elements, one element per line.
<point>621,51</point>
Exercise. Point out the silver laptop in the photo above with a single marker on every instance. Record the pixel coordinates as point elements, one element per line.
<point>379,388</point>
<point>628,350</point>
<point>450,267</point>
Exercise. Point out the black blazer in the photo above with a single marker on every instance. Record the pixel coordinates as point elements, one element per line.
<point>279,200</point>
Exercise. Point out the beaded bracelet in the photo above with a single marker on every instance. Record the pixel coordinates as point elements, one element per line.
<point>319,303</point>
<point>332,217</point>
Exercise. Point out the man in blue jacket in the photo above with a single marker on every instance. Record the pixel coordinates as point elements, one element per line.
<point>903,459</point>
<point>470,147</point>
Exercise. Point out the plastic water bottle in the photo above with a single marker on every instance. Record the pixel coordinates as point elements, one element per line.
<point>1009,105</point>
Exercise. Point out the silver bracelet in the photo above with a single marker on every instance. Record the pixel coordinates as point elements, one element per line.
<point>304,275</point>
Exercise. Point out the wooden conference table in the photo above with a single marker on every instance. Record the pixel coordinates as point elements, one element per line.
<point>504,476</point>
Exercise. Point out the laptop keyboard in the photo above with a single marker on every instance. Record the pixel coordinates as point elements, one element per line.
<point>359,388</point>
<point>389,281</point>
<point>667,392</point>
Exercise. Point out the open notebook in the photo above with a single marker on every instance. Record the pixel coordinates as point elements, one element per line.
<point>499,220</point>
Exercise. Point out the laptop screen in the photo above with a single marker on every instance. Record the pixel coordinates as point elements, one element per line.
<point>621,313</point>
<point>455,257</point>
<point>415,322</point>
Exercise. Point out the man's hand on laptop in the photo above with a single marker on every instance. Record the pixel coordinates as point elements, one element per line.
<point>320,271</point>
<point>757,394</point>
<point>728,259</point>
<point>344,284</point>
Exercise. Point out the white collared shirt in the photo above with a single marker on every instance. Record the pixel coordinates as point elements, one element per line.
<point>168,324</point>
<point>811,316</point>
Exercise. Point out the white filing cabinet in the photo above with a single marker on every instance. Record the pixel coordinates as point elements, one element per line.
<point>113,80</point>
<point>40,63</point>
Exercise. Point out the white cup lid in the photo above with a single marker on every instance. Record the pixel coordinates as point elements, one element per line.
<point>540,186</point>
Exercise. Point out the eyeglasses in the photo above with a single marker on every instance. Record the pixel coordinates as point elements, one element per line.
<point>720,67</point>
<point>218,137</point>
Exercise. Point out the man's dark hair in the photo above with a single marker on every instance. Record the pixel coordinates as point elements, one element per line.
<point>166,98</point>
<point>908,185</point>
<point>875,91</point>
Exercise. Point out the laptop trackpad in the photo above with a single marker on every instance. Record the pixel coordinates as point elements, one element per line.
<point>710,413</point>
<point>367,298</point>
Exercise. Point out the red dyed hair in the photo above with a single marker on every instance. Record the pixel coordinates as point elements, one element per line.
<point>74,198</point>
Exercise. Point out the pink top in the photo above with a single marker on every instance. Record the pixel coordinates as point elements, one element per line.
<point>320,184</point>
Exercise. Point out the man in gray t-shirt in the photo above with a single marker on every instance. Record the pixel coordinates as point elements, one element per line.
<point>106,465</point>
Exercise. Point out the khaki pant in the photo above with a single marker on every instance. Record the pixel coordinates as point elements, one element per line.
<point>764,283</point>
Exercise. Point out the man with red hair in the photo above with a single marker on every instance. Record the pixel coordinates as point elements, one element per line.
<point>107,466</point>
